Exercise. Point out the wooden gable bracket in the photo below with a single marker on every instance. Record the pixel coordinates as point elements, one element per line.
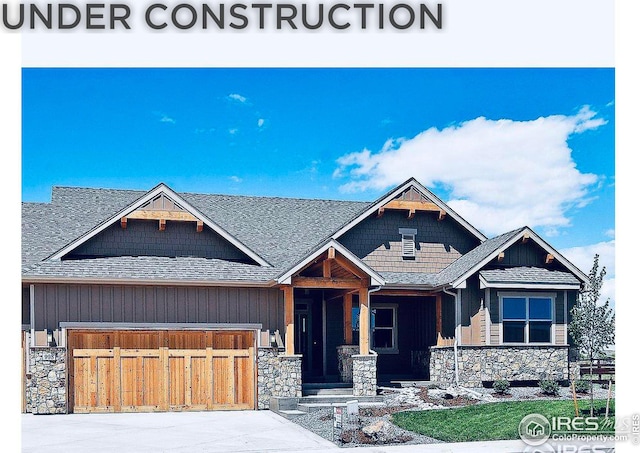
<point>525,238</point>
<point>500,256</point>
<point>441,215</point>
<point>162,216</point>
<point>412,207</point>
<point>549,258</point>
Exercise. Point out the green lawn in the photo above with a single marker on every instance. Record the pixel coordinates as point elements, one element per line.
<point>492,421</point>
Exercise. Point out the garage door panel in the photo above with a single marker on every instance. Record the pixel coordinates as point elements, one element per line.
<point>155,379</point>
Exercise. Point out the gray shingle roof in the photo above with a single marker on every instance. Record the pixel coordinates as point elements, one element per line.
<point>532,275</point>
<point>409,278</point>
<point>281,230</point>
<point>151,268</point>
<point>471,259</point>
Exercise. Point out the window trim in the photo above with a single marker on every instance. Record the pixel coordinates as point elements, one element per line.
<point>394,329</point>
<point>527,296</point>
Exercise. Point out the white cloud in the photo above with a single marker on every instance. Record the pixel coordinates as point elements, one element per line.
<point>166,119</point>
<point>260,122</point>
<point>583,258</point>
<point>501,174</point>
<point>235,179</point>
<point>237,97</point>
<point>233,131</point>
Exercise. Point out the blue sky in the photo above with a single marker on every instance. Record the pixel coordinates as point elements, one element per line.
<point>505,147</point>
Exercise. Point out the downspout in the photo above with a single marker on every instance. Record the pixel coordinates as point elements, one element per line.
<point>455,337</point>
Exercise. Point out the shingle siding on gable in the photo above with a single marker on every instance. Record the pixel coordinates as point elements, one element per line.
<point>143,238</point>
<point>529,254</point>
<point>377,242</point>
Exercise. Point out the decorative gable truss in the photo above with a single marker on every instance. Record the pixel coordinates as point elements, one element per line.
<point>164,205</point>
<point>163,208</point>
<point>412,201</point>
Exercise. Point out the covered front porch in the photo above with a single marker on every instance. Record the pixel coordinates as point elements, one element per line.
<point>346,327</point>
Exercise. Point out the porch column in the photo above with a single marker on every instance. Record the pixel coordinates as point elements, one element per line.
<point>347,304</point>
<point>364,320</point>
<point>288,320</point>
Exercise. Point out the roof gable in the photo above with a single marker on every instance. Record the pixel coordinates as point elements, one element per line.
<point>351,263</point>
<point>410,196</point>
<point>475,260</point>
<point>162,204</point>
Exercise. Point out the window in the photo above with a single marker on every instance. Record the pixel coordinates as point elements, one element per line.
<point>384,328</point>
<point>383,325</point>
<point>526,319</point>
<point>408,242</point>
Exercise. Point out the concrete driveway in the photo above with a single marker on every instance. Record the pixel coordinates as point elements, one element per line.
<point>213,432</point>
<point>241,431</point>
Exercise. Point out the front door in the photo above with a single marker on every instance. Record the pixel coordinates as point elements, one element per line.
<point>303,335</point>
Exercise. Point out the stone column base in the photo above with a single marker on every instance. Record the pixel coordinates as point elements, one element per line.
<point>345,361</point>
<point>365,381</point>
<point>278,376</point>
<point>46,386</point>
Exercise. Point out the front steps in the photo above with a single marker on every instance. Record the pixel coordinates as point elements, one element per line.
<point>321,397</point>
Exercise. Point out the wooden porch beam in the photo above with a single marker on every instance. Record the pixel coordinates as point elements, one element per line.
<point>158,214</point>
<point>316,282</point>
<point>347,305</point>
<point>289,348</point>
<point>331,253</point>
<point>326,268</point>
<point>364,321</point>
<point>348,265</point>
<point>416,205</point>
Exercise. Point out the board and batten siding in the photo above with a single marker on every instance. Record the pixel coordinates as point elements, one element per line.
<point>561,314</point>
<point>55,303</point>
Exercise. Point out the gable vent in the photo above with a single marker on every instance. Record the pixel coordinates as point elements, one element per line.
<point>408,242</point>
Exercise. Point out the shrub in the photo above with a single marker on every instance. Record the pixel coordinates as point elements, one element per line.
<point>501,386</point>
<point>582,386</point>
<point>549,387</point>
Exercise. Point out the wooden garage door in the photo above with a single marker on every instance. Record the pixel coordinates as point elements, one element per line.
<point>127,379</point>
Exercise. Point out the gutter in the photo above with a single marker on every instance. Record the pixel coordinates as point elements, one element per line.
<point>455,338</point>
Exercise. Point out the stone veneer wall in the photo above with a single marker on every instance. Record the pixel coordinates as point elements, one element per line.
<point>278,376</point>
<point>489,363</point>
<point>365,382</point>
<point>345,361</point>
<point>46,386</point>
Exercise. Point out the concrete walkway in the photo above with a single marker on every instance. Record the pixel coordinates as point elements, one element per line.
<point>190,432</point>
